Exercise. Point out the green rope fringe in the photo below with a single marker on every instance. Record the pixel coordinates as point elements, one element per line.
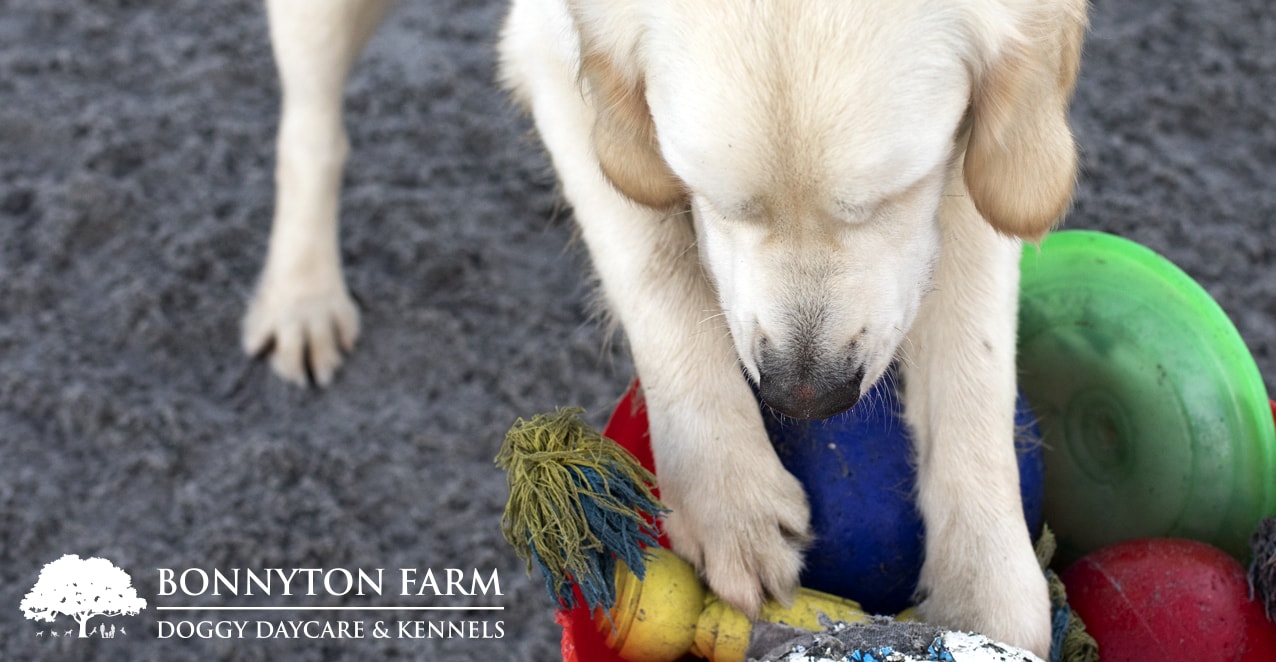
<point>577,503</point>
<point>1071,642</point>
<point>1262,567</point>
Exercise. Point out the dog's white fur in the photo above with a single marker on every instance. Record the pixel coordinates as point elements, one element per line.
<point>800,191</point>
<point>302,314</point>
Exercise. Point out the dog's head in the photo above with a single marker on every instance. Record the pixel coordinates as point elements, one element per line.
<point>815,142</point>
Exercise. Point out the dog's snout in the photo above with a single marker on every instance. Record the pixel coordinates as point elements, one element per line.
<point>801,388</point>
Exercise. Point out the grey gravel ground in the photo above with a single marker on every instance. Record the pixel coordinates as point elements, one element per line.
<point>135,193</point>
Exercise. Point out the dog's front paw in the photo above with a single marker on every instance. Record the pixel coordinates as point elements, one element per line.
<point>1000,593</point>
<point>303,330</point>
<point>744,527</point>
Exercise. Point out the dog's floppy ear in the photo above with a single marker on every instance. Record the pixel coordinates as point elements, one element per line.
<point>1021,161</point>
<point>624,133</point>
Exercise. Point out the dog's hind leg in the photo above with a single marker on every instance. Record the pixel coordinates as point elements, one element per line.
<point>302,314</point>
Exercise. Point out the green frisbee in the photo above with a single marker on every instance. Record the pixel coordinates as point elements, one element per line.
<point>1152,411</point>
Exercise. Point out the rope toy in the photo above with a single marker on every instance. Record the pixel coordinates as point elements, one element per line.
<point>1262,569</point>
<point>1069,641</point>
<point>578,502</point>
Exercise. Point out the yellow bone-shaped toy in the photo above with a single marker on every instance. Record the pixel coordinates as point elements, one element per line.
<point>671,613</point>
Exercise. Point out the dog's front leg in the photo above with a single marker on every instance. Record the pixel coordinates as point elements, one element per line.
<point>302,311</point>
<point>736,513</point>
<point>980,572</point>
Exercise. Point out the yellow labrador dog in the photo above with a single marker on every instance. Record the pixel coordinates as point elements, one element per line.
<point>795,193</point>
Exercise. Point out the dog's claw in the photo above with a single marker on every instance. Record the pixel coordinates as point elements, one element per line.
<point>260,350</point>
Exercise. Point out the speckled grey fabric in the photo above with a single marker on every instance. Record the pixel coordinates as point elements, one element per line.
<point>136,161</point>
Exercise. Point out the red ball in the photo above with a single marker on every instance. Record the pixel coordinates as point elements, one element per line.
<point>1168,599</point>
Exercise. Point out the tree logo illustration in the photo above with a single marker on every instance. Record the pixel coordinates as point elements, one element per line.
<point>81,588</point>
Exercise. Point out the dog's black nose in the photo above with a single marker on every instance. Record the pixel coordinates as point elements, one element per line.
<point>805,392</point>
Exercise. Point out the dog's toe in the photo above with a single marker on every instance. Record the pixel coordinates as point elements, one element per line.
<point>748,547</point>
<point>748,578</point>
<point>303,339</point>
<point>999,592</point>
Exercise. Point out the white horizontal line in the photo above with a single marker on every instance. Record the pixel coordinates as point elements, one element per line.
<point>330,608</point>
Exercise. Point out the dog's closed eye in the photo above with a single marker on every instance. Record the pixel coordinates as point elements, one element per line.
<point>853,212</point>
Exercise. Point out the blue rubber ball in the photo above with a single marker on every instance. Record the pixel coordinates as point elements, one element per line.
<point>859,478</point>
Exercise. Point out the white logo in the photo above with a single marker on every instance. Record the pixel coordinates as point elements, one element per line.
<point>81,588</point>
